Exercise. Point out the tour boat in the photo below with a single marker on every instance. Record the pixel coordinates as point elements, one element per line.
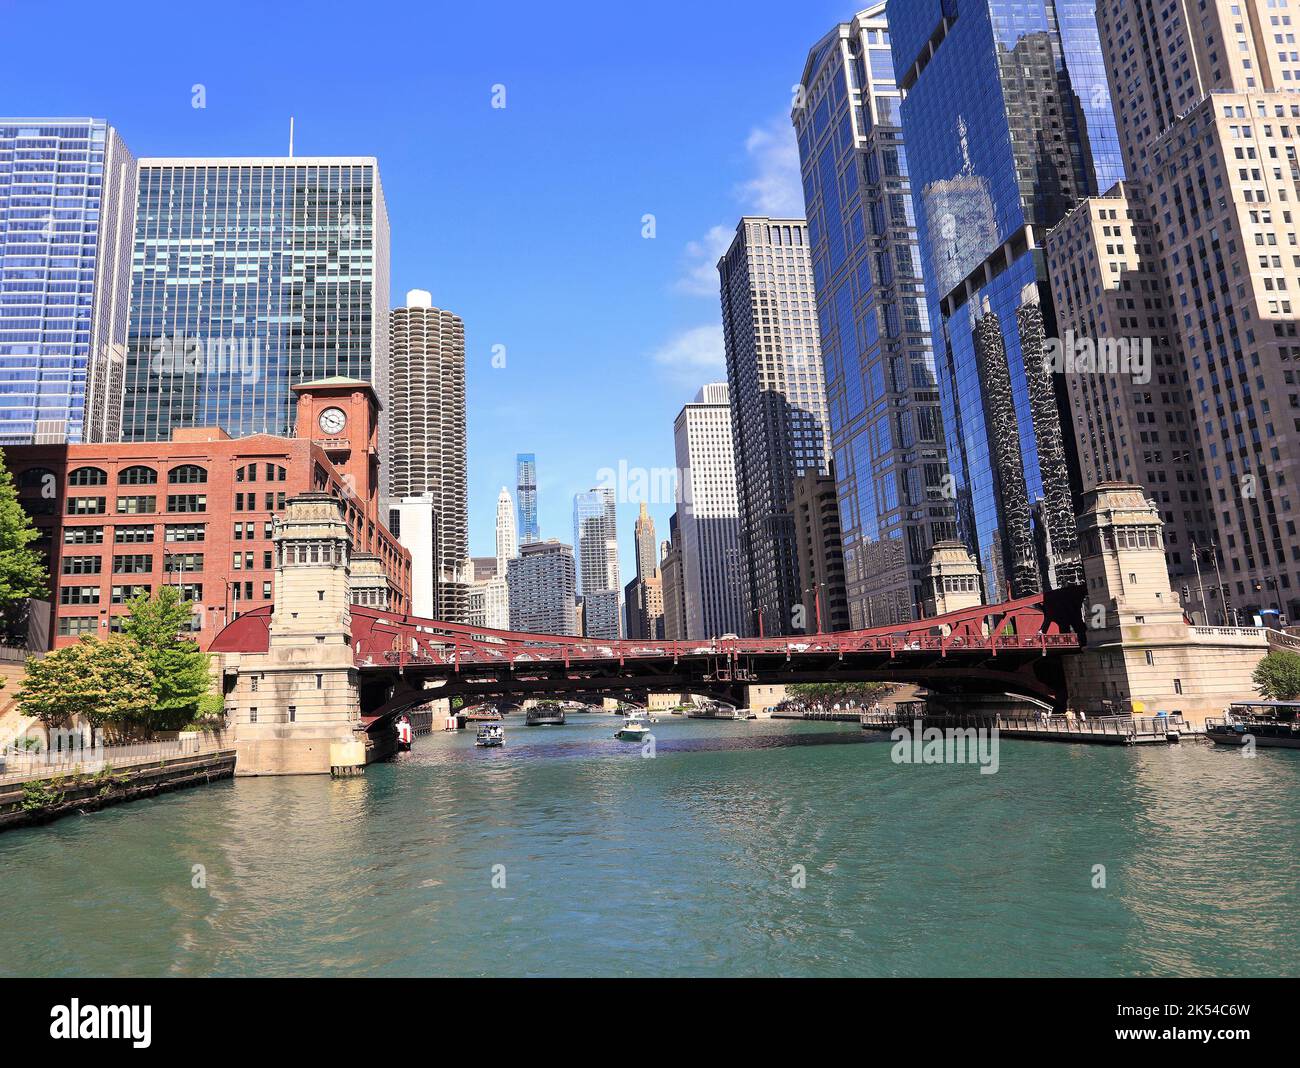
<point>716,710</point>
<point>544,716</point>
<point>404,734</point>
<point>632,731</point>
<point>1268,724</point>
<point>491,736</point>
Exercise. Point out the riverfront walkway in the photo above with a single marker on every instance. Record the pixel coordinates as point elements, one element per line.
<point>1100,730</point>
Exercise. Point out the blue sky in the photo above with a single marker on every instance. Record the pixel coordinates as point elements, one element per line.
<point>525,220</point>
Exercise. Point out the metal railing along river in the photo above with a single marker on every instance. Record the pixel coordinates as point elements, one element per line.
<point>18,764</point>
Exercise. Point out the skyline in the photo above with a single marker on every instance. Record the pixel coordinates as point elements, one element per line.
<point>627,314</point>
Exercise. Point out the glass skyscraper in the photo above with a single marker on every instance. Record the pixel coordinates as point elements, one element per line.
<point>1008,123</point>
<point>67,196</point>
<point>778,404</point>
<point>595,543</point>
<point>881,395</point>
<point>250,276</point>
<point>526,486</point>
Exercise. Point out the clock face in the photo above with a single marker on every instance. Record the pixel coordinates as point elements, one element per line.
<point>332,420</point>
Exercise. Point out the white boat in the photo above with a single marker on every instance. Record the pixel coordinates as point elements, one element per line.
<point>638,715</point>
<point>491,736</point>
<point>632,731</point>
<point>717,710</point>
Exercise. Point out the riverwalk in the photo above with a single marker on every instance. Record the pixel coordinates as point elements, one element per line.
<point>36,787</point>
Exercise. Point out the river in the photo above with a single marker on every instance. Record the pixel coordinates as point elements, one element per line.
<point>760,848</point>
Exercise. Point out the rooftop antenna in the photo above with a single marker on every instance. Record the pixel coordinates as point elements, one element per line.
<point>291,137</point>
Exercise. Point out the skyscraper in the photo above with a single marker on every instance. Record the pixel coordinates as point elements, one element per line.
<point>427,433</point>
<point>674,583</point>
<point>647,549</point>
<point>708,580</point>
<point>1207,116</point>
<point>67,204</point>
<point>1008,124</point>
<point>541,581</point>
<point>778,401</point>
<point>526,486</point>
<point>507,535</point>
<point>886,424</point>
<point>643,596</point>
<point>252,275</point>
<point>595,539</point>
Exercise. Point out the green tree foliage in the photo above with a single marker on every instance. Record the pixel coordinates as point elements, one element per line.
<point>159,626</point>
<point>107,684</point>
<point>22,568</point>
<point>1277,676</point>
<point>837,693</point>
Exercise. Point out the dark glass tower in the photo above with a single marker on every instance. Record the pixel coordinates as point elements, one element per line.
<point>881,396</point>
<point>1008,123</point>
<point>250,276</point>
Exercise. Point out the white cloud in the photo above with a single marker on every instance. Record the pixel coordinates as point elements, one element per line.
<point>693,357</point>
<point>700,273</point>
<point>776,188</point>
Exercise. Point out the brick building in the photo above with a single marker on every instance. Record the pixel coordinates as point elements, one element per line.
<point>198,512</point>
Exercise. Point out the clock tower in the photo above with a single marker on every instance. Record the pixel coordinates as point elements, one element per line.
<point>341,415</point>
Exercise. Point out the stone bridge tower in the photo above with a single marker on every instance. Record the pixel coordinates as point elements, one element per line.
<point>295,708</point>
<point>1142,656</point>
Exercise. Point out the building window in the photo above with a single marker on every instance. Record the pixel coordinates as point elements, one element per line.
<point>79,595</point>
<point>133,535</point>
<point>132,565</point>
<point>1178,685</point>
<point>1151,658</point>
<point>83,535</point>
<point>185,532</point>
<point>187,502</point>
<point>75,626</point>
<point>122,594</point>
<point>252,715</point>
<point>136,505</point>
<point>139,475</point>
<point>293,713</point>
<point>88,476</point>
<point>82,565</point>
<point>87,505</point>
<point>187,474</point>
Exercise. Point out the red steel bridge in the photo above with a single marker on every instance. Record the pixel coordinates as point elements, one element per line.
<point>402,661</point>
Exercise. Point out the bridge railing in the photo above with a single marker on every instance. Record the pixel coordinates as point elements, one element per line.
<point>434,651</point>
<point>1117,726</point>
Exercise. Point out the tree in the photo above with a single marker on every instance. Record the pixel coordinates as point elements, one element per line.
<point>837,693</point>
<point>22,568</point>
<point>1277,676</point>
<point>158,625</point>
<point>107,684</point>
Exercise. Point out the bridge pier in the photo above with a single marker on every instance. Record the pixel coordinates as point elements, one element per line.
<point>1141,655</point>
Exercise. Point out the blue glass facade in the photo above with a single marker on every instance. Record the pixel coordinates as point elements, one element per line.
<point>882,398</point>
<point>1009,124</point>
<point>251,276</point>
<point>67,195</point>
<point>526,485</point>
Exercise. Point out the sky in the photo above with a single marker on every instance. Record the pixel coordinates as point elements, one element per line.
<point>526,220</point>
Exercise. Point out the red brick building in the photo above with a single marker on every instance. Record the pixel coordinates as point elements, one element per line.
<point>197,512</point>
